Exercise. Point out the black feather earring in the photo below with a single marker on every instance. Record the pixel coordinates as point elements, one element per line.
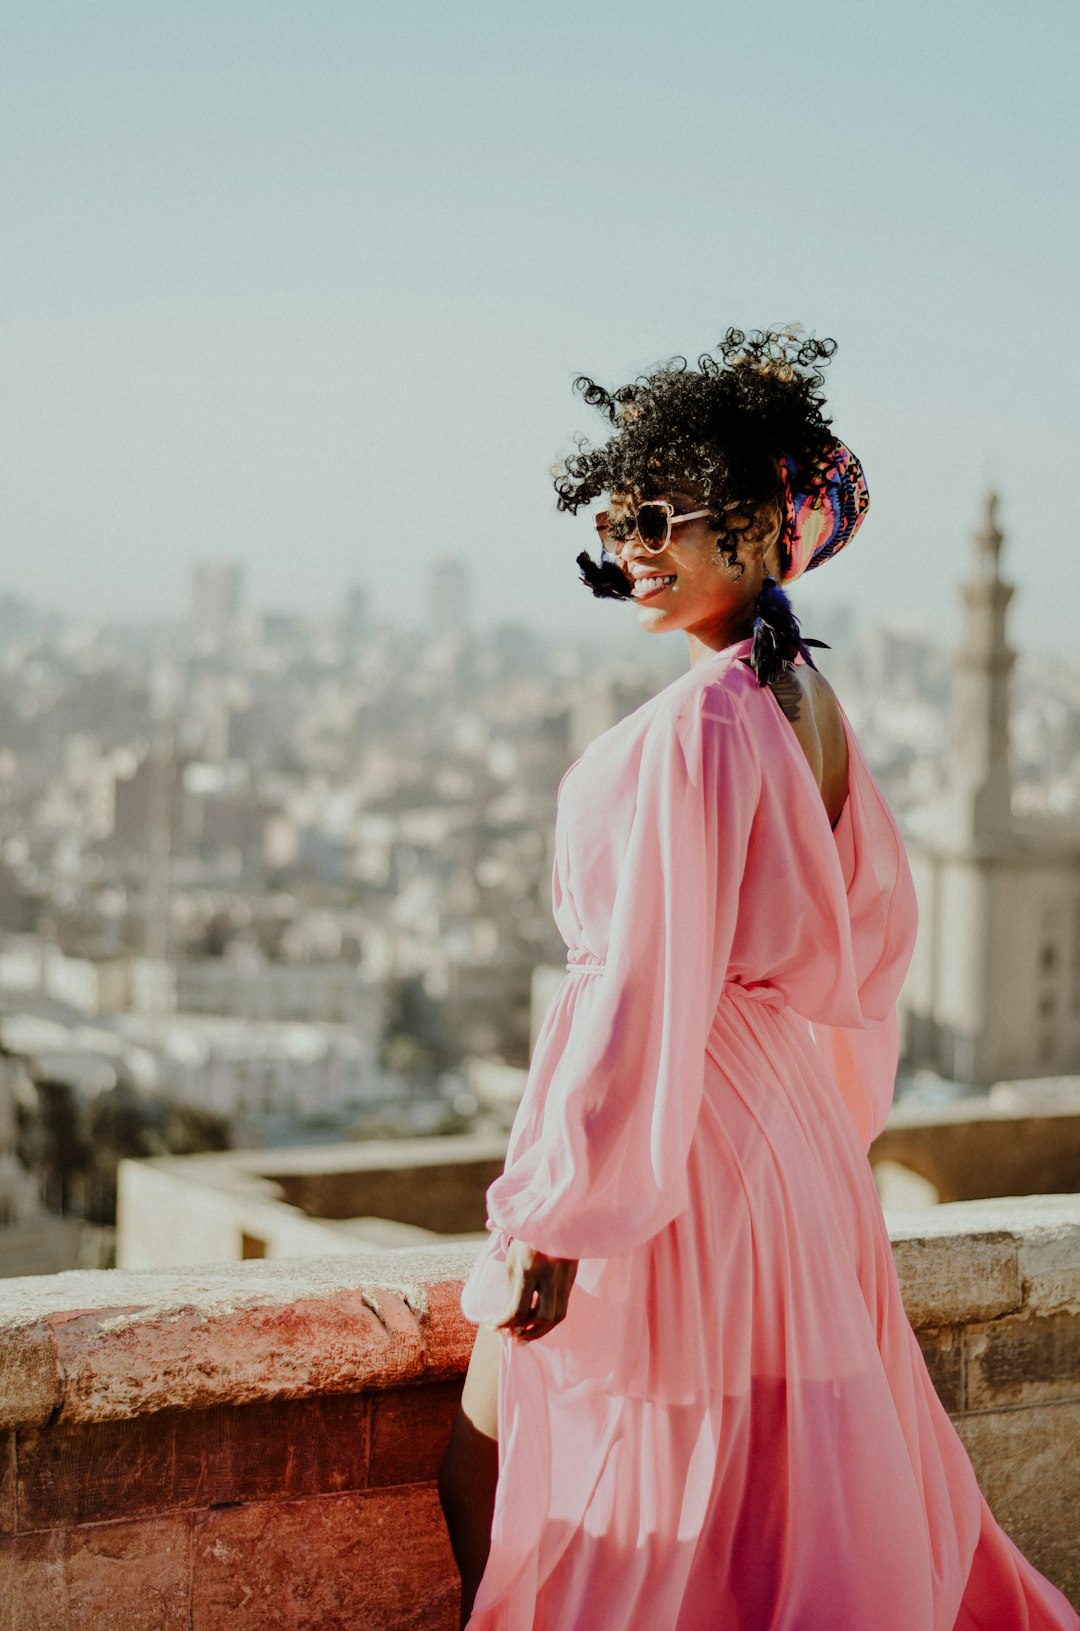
<point>778,639</point>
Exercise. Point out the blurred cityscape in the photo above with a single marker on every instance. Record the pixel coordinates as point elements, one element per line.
<point>272,881</point>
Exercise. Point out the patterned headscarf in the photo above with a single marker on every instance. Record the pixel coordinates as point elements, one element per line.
<point>819,523</point>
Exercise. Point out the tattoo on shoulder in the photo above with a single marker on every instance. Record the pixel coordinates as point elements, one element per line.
<point>788,693</point>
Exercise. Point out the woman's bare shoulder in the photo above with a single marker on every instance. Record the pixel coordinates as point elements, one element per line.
<point>803,691</point>
<point>812,708</point>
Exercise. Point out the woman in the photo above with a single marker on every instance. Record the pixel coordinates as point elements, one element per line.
<point>695,1400</point>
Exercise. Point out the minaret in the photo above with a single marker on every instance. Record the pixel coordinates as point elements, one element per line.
<point>979,775</point>
<point>991,988</point>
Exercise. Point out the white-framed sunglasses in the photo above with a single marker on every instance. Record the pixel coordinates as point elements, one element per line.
<point>651,521</point>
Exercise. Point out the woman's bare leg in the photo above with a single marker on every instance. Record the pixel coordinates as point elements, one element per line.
<point>470,1466</point>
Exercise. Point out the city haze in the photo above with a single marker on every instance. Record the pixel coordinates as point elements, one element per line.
<point>306,288</point>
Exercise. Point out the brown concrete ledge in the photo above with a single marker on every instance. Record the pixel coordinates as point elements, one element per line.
<point>95,1347</point>
<point>998,1144</point>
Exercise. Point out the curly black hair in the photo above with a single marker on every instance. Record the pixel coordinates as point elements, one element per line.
<point>718,430</point>
<point>721,426</point>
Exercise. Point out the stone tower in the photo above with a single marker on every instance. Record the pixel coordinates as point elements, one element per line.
<point>994,987</point>
<point>980,783</point>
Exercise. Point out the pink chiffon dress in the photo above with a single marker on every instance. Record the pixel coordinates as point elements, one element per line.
<point>733,1428</point>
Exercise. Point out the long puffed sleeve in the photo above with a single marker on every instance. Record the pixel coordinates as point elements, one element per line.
<point>608,1169</point>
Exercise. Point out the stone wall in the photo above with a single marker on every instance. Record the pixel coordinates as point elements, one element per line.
<point>253,1447</point>
<point>256,1446</point>
<point>992,1288</point>
<point>978,1148</point>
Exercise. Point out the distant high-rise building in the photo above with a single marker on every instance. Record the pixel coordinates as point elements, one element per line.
<point>215,599</point>
<point>994,987</point>
<point>450,598</point>
<point>356,625</point>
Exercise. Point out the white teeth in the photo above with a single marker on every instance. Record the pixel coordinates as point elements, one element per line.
<point>646,586</point>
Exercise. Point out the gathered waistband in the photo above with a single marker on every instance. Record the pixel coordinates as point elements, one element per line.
<point>770,995</point>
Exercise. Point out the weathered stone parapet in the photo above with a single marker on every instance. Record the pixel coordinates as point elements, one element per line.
<point>978,1259</point>
<point>256,1445</point>
<point>942,1285</point>
<point>91,1347</point>
<point>992,1288</point>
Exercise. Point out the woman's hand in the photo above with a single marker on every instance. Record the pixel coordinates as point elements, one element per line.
<point>539,1291</point>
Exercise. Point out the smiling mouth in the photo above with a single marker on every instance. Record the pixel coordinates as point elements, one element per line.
<point>646,588</point>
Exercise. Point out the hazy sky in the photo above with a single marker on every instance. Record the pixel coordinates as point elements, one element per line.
<point>306,284</point>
